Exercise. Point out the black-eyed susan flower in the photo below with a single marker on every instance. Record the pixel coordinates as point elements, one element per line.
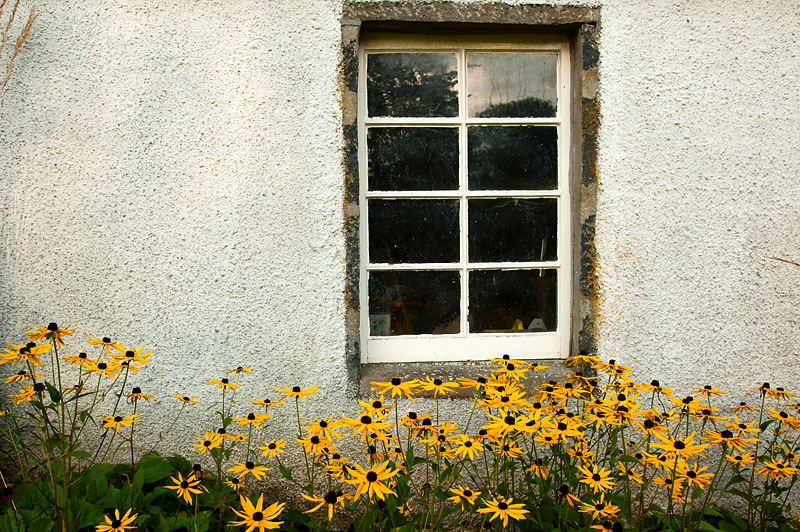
<point>131,354</point>
<point>683,448</point>
<point>776,469</point>
<point>726,437</point>
<point>505,448</point>
<point>539,468</point>
<point>324,427</point>
<point>740,459</point>
<point>371,482</point>
<point>597,479</point>
<point>52,332</point>
<point>437,386</point>
<point>206,442</point>
<point>266,402</point>
<point>252,419</point>
<point>21,375</point>
<point>105,342</point>
<point>566,496</point>
<point>297,391</point>
<point>608,526</point>
<point>365,425</point>
<point>463,496</point>
<point>234,483</point>
<point>250,468</point>
<point>256,516</point>
<point>501,424</point>
<point>708,391</point>
<point>186,399</point>
<point>115,422</point>
<point>185,488</point>
<point>329,500</point>
<point>25,394</point>
<point>744,406</point>
<point>137,394</point>
<point>314,445</point>
<point>468,448</point>
<point>599,508</point>
<point>629,472</point>
<point>397,387</point>
<point>503,508</point>
<point>29,352</point>
<point>271,449</point>
<point>223,383</point>
<point>240,369</point>
<point>693,475</point>
<point>117,523</point>
<point>110,369</point>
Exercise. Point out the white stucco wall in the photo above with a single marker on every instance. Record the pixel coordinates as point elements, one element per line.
<point>172,176</point>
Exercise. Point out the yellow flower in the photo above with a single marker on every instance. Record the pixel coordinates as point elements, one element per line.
<point>331,499</point>
<point>257,516</point>
<point>468,448</point>
<point>740,459</point>
<point>539,468</point>
<point>29,352</point>
<point>185,488</point>
<point>25,394</point>
<point>243,469</point>
<point>296,391</point>
<point>437,386</point>
<point>684,448</point>
<point>223,383</point>
<point>366,425</point>
<point>503,508</point>
<point>599,508</point>
<point>397,387</point>
<point>52,332</point>
<point>252,419</point>
<point>115,422</point>
<point>110,370</point>
<point>186,399</point>
<point>694,474</point>
<point>234,483</point>
<point>371,482</point>
<point>463,496</point>
<point>210,440</point>
<point>597,480</point>
<point>105,342</point>
<point>272,448</point>
<point>266,402</point>
<point>240,369</point>
<point>776,470</point>
<point>117,524</point>
<point>136,394</point>
<point>21,375</point>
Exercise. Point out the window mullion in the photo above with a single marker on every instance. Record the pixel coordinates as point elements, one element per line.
<point>463,189</point>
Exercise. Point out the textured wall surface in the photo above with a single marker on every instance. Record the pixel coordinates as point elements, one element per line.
<point>172,176</point>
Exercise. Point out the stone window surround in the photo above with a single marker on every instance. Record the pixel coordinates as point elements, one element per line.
<point>420,16</point>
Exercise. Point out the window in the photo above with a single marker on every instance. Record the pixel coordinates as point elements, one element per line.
<point>465,238</point>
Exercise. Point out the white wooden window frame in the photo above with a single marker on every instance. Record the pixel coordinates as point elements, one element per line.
<point>465,345</point>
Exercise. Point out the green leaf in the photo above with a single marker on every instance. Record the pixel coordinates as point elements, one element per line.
<point>707,527</point>
<point>154,470</point>
<point>79,454</point>
<point>286,472</point>
<point>55,396</point>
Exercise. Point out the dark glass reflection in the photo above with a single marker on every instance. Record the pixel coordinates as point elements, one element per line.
<point>512,157</point>
<point>412,158</point>
<point>512,301</point>
<point>414,302</point>
<point>510,229</point>
<point>518,84</point>
<point>412,84</point>
<point>405,231</point>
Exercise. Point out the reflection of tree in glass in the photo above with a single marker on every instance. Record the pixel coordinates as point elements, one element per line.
<point>526,107</point>
<point>412,84</point>
<point>513,158</point>
<point>404,158</point>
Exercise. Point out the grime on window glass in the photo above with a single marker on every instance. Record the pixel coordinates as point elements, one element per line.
<point>465,209</point>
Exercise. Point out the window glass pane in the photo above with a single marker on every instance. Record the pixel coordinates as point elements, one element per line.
<point>412,158</point>
<point>417,302</point>
<point>519,84</point>
<point>513,157</point>
<point>412,84</point>
<point>412,231</point>
<point>512,301</point>
<point>509,229</point>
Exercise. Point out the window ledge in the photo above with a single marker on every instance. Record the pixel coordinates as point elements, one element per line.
<point>448,372</point>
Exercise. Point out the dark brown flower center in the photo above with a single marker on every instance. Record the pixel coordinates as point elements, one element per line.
<point>372,476</point>
<point>296,389</point>
<point>258,516</point>
<point>396,381</point>
<point>502,506</point>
